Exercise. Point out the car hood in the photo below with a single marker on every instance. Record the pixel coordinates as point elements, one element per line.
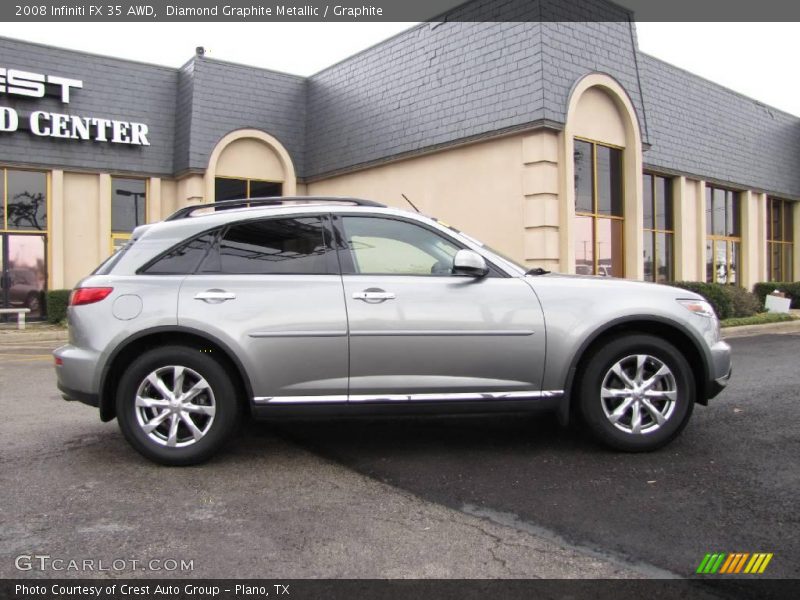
<point>614,284</point>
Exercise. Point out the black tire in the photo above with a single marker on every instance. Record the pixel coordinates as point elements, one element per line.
<point>597,412</point>
<point>220,392</point>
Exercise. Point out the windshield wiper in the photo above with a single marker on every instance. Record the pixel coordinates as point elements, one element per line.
<point>536,271</point>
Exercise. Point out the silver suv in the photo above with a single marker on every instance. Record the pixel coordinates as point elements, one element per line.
<point>330,306</point>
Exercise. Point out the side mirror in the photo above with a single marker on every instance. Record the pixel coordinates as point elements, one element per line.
<point>467,262</point>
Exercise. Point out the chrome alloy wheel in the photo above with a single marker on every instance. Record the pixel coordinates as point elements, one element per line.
<point>175,406</point>
<point>638,394</point>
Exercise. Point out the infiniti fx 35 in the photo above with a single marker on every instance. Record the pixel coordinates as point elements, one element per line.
<point>326,306</point>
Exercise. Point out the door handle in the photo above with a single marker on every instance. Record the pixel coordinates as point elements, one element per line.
<point>374,295</point>
<point>214,296</point>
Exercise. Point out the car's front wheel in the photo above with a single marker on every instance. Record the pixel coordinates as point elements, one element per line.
<point>176,405</point>
<point>636,393</point>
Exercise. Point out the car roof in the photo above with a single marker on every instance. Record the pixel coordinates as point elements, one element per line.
<point>187,223</point>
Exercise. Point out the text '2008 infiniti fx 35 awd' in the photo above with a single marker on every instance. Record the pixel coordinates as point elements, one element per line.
<point>331,306</point>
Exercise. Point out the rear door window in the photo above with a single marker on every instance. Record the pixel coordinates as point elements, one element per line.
<point>282,246</point>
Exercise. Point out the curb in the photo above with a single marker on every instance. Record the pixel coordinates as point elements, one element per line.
<point>23,337</point>
<point>747,330</point>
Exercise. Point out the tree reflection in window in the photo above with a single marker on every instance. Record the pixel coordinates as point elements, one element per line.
<point>27,200</point>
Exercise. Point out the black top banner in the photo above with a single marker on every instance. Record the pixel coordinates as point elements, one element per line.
<point>394,10</point>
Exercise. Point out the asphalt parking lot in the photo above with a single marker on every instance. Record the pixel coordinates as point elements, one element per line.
<point>435,497</point>
<point>730,483</point>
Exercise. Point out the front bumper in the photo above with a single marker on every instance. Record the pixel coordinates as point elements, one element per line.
<point>722,369</point>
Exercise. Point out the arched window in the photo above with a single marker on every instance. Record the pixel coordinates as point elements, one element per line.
<point>599,215</point>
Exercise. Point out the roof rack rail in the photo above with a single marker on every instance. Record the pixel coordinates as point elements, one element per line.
<point>187,211</point>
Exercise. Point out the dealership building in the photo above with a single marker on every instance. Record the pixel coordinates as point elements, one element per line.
<point>559,143</point>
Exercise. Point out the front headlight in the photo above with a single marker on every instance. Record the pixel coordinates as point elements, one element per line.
<point>698,307</point>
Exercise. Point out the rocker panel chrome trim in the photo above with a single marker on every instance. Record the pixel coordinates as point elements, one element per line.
<point>367,398</point>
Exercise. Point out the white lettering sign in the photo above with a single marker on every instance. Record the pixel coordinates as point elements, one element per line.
<point>42,123</point>
<point>9,120</point>
<point>56,125</point>
<point>33,85</point>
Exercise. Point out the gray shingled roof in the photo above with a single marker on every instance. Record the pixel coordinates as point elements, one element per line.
<point>441,83</point>
<point>700,128</point>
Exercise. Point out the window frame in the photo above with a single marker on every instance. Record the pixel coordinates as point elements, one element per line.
<point>783,244</point>
<point>124,236</point>
<point>654,230</point>
<point>247,181</point>
<point>729,240</point>
<point>595,215</point>
<point>4,228</point>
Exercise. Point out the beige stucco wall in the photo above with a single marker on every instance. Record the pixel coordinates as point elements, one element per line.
<point>249,158</point>
<point>516,193</point>
<point>598,117</point>
<point>476,188</point>
<point>55,243</point>
<point>82,218</point>
<point>541,188</point>
<point>684,223</point>
<point>689,223</point>
<point>754,238</point>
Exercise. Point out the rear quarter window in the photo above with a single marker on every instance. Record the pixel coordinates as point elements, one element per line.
<point>184,258</point>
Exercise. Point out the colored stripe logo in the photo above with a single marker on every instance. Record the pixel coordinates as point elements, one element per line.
<point>723,563</point>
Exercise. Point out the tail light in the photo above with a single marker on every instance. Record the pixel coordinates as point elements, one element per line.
<point>88,295</point>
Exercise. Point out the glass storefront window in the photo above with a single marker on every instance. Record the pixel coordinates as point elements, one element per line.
<point>598,209</point>
<point>128,204</point>
<point>658,230</point>
<point>723,224</point>
<point>26,200</point>
<point>780,239</point>
<point>584,183</point>
<point>609,181</point>
<point>229,188</point>
<point>23,240</point>
<point>584,245</point>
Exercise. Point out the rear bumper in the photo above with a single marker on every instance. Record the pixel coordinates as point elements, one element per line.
<point>76,373</point>
<point>77,396</point>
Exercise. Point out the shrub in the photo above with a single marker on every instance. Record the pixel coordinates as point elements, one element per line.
<point>729,301</point>
<point>57,301</point>
<point>745,303</point>
<point>759,319</point>
<point>714,293</point>
<point>791,289</point>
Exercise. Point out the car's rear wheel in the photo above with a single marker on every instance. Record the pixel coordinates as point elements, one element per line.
<point>177,405</point>
<point>636,392</point>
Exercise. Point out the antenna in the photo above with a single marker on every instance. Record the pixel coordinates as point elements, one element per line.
<point>410,202</point>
